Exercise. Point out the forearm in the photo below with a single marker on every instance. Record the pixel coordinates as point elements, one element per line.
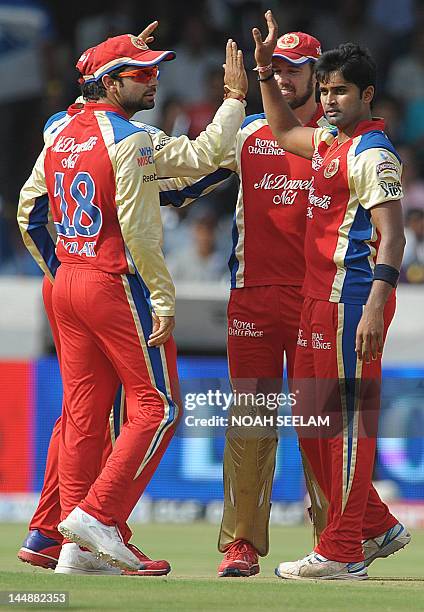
<point>390,253</point>
<point>279,115</point>
<point>181,157</point>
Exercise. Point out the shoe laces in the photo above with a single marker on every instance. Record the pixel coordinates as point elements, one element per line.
<point>238,548</point>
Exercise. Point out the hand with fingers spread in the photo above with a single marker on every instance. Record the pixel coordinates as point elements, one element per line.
<point>235,77</point>
<point>265,48</point>
<point>162,330</point>
<point>146,34</point>
<point>370,334</point>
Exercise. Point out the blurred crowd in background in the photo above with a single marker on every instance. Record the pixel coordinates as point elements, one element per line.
<point>40,43</point>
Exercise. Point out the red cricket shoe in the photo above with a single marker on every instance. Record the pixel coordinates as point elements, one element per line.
<point>241,560</point>
<point>148,567</point>
<point>39,550</point>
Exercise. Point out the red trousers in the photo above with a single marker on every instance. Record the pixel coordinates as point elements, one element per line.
<point>47,514</point>
<point>263,324</point>
<point>104,321</point>
<point>333,382</point>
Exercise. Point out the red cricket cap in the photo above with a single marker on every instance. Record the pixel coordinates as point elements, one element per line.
<point>124,50</point>
<point>298,48</point>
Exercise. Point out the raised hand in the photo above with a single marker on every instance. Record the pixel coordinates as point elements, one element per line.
<point>146,34</point>
<point>265,48</point>
<point>235,77</point>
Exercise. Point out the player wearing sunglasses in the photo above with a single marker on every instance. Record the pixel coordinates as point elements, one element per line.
<point>103,166</point>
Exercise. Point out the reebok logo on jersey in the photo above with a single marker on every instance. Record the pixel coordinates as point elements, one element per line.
<point>265,147</point>
<point>148,178</point>
<point>146,156</point>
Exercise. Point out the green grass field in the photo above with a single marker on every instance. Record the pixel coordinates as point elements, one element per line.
<point>397,583</point>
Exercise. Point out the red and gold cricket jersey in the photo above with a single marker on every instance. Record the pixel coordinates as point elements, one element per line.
<point>270,216</point>
<point>98,171</point>
<point>341,240</point>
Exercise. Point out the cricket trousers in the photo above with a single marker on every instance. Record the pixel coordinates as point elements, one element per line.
<point>263,324</point>
<point>104,322</point>
<point>47,514</point>
<point>333,383</point>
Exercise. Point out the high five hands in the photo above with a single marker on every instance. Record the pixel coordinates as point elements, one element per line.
<point>265,48</point>
<point>235,77</point>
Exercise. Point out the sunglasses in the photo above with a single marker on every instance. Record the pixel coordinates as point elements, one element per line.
<point>141,75</point>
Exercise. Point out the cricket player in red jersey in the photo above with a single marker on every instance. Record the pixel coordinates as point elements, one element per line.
<point>173,156</point>
<point>353,251</point>
<point>113,298</point>
<point>266,301</point>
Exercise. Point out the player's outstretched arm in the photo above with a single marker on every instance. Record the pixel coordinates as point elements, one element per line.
<point>182,157</point>
<point>284,125</point>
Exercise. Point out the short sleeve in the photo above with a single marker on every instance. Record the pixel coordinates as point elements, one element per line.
<point>377,176</point>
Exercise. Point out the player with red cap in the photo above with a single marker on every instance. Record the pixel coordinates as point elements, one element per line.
<point>97,169</point>
<point>265,301</point>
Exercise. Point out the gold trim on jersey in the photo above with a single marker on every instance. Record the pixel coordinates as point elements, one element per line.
<point>344,229</point>
<point>347,478</point>
<point>342,388</point>
<point>357,407</point>
<point>106,129</point>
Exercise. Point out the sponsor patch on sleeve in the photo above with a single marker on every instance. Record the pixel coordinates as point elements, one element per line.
<point>386,168</point>
<point>391,189</point>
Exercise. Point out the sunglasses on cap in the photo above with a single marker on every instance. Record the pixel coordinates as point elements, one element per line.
<point>141,75</point>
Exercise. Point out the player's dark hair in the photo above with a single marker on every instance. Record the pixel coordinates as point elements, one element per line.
<point>352,61</point>
<point>95,89</point>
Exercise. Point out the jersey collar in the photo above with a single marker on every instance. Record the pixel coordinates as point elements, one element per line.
<point>101,106</point>
<point>370,125</point>
<point>75,108</point>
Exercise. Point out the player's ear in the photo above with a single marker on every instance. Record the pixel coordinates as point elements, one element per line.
<point>109,84</point>
<point>368,94</point>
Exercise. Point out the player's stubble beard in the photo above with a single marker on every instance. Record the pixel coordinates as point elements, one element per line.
<point>299,101</point>
<point>144,102</point>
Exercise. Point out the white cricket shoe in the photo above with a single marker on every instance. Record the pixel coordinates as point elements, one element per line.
<point>73,560</point>
<point>386,544</point>
<point>103,540</point>
<point>317,567</point>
